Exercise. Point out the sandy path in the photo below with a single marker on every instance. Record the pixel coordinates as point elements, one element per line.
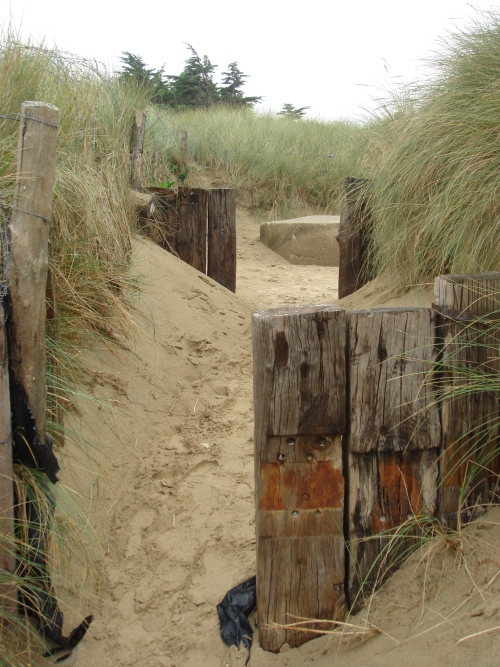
<point>266,280</point>
<point>171,482</point>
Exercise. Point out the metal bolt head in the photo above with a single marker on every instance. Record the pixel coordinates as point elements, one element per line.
<point>295,513</point>
<point>322,442</point>
<point>383,518</point>
<point>309,457</point>
<point>290,441</point>
<point>281,457</point>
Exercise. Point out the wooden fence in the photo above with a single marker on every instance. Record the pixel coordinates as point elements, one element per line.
<point>200,227</point>
<point>365,420</point>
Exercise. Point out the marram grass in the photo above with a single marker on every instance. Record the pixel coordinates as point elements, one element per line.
<point>284,164</point>
<point>435,163</point>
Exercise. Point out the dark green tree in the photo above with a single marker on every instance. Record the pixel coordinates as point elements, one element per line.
<point>134,67</point>
<point>195,87</point>
<point>231,90</point>
<point>289,111</point>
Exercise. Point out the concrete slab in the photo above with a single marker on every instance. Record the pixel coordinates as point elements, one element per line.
<point>309,240</point>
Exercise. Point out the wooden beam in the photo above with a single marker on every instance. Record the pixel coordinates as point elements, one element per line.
<point>354,236</point>
<point>191,237</point>
<point>393,435</point>
<point>300,415</point>
<point>29,228</point>
<point>137,149</point>
<point>8,600</point>
<point>222,237</point>
<point>469,341</point>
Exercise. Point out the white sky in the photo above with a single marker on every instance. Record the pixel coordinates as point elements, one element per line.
<point>334,56</point>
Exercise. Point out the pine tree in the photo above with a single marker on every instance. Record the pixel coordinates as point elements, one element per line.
<point>230,92</point>
<point>134,67</point>
<point>195,85</point>
<point>289,111</point>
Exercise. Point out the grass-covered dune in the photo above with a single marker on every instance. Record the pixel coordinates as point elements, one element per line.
<point>285,164</point>
<point>434,158</point>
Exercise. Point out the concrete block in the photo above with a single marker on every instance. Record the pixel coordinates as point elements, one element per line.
<point>310,240</point>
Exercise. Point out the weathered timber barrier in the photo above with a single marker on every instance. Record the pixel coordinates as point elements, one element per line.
<point>200,227</point>
<point>468,335</point>
<point>354,236</point>
<point>365,423</point>
<point>300,412</point>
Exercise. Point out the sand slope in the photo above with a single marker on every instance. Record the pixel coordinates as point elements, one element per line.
<point>171,483</point>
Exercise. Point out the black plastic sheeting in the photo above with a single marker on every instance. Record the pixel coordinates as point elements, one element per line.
<point>38,601</point>
<point>233,612</point>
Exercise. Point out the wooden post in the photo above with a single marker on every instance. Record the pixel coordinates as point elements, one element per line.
<point>393,437</point>
<point>29,228</point>
<point>8,600</point>
<point>184,151</point>
<point>191,237</point>
<point>300,414</point>
<point>222,237</point>
<point>137,148</point>
<point>354,236</point>
<point>469,333</point>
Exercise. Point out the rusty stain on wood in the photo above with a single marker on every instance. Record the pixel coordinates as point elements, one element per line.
<point>316,484</point>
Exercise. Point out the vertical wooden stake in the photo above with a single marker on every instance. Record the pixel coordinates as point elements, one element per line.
<point>393,436</point>
<point>29,228</point>
<point>353,237</point>
<point>300,414</point>
<point>191,236</point>
<point>222,237</point>
<point>7,539</point>
<point>137,149</point>
<point>184,150</point>
<point>469,461</point>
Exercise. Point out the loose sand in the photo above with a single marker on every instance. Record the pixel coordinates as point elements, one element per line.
<point>170,478</point>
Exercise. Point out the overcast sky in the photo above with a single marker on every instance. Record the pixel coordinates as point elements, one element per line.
<point>335,57</point>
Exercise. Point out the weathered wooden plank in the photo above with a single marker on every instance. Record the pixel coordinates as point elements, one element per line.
<point>8,600</point>
<point>354,236</point>
<point>391,364</point>
<point>164,224</point>
<point>137,148</point>
<point>298,580</point>
<point>299,404</point>
<point>299,370</point>
<point>386,489</point>
<point>222,237</point>
<point>28,229</point>
<point>191,236</point>
<point>468,382</point>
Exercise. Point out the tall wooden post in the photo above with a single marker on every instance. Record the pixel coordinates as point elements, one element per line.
<point>469,334</point>
<point>191,236</point>
<point>29,228</point>
<point>300,414</point>
<point>393,435</point>
<point>354,236</point>
<point>184,150</point>
<point>137,148</point>
<point>222,237</point>
<point>7,540</point>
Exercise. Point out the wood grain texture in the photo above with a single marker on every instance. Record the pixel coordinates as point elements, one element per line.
<point>470,371</point>
<point>137,148</point>
<point>191,236</point>
<point>299,404</point>
<point>391,363</point>
<point>222,237</point>
<point>28,229</point>
<point>385,490</point>
<point>7,537</point>
<point>354,236</point>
